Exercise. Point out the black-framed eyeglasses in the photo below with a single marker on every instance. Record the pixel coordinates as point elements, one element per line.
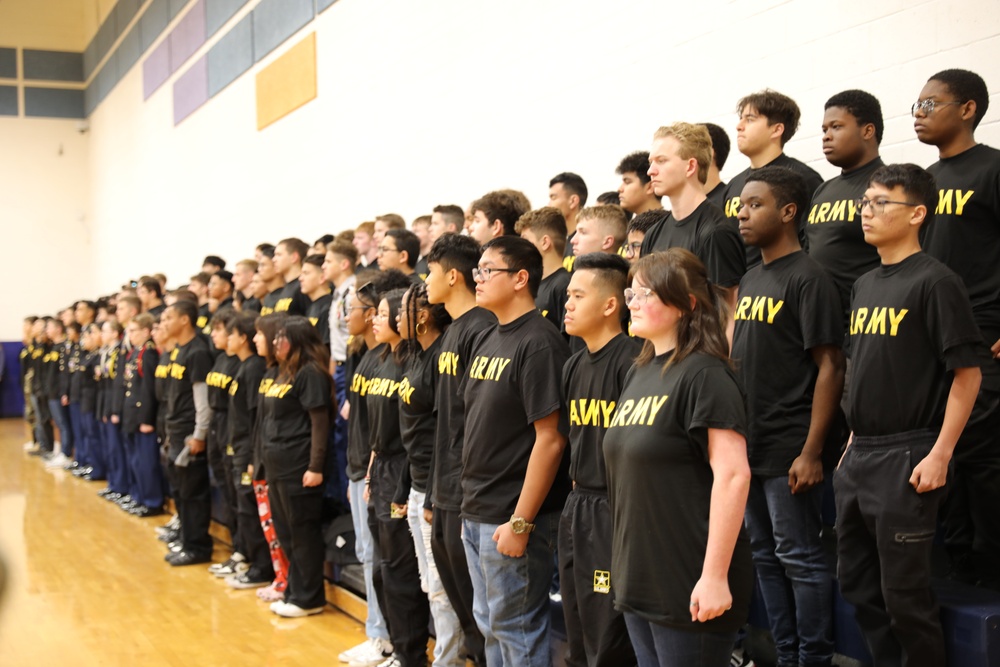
<point>637,297</point>
<point>928,106</point>
<point>878,205</point>
<point>386,249</point>
<point>632,249</point>
<point>484,275</point>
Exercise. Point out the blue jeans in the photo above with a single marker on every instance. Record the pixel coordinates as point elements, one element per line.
<point>60,415</point>
<point>364,547</point>
<point>795,581</point>
<point>511,595</point>
<point>662,646</point>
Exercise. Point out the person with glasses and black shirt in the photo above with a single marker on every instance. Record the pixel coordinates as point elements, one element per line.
<point>965,235</point>
<point>295,422</point>
<point>398,250</point>
<point>514,475</point>
<point>451,261</point>
<point>636,232</point>
<point>678,475</point>
<point>917,353</point>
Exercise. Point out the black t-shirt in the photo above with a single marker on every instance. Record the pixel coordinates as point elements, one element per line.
<point>204,317</point>
<point>569,258</point>
<point>383,406</point>
<point>551,299</point>
<point>421,268</point>
<point>833,230</point>
<point>267,305</point>
<point>911,326</point>
<point>257,458</point>
<point>784,310</point>
<point>139,374</point>
<point>319,315</point>
<point>161,385</point>
<point>718,195</point>
<point>418,414</point>
<point>286,439</point>
<point>707,234</point>
<point>592,384</point>
<point>219,379</point>
<point>292,300</point>
<point>735,189</point>
<point>512,381</point>
<point>251,305</point>
<point>189,365</point>
<point>965,231</point>
<point>359,447</point>
<point>660,489</point>
<point>454,355</point>
<point>243,408</point>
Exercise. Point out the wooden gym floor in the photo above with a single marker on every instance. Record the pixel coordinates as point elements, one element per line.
<point>86,584</point>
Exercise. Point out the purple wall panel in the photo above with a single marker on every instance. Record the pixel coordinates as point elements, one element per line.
<point>156,69</point>
<point>191,90</point>
<point>187,36</point>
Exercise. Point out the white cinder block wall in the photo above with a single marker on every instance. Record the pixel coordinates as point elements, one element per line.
<point>438,101</point>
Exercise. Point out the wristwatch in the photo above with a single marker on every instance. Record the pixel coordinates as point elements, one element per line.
<point>520,525</point>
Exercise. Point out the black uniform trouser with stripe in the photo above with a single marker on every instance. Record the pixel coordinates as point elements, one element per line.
<point>595,631</point>
<point>885,530</point>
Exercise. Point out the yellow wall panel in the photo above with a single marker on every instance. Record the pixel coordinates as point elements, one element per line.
<point>287,83</point>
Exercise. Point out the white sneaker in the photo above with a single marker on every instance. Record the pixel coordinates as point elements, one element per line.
<point>30,446</point>
<point>372,651</point>
<point>391,662</point>
<point>289,610</point>
<point>236,564</point>
<point>57,461</point>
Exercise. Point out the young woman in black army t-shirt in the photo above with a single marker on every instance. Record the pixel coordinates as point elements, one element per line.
<point>267,327</point>
<point>678,474</point>
<point>422,325</point>
<point>295,424</point>
<point>407,608</point>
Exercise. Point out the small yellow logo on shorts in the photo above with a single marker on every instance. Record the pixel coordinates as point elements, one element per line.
<point>602,581</point>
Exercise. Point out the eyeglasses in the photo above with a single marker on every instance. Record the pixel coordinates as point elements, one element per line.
<point>928,106</point>
<point>384,249</point>
<point>637,297</point>
<point>380,317</point>
<point>878,205</point>
<point>632,249</point>
<point>484,275</point>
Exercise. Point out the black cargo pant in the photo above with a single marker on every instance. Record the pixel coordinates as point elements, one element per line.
<point>885,530</point>
<point>595,632</point>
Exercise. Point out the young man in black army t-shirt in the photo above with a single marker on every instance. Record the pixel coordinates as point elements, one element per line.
<point>450,262</point>
<point>965,235</point>
<point>546,229</point>
<point>768,120</point>
<point>218,380</point>
<point>514,481</point>
<point>316,288</point>
<point>288,257</point>
<point>916,352</point>
<point>187,422</point>
<point>787,348</point>
<point>568,194</point>
<point>678,165</point>
<point>592,381</point>
<point>852,132</point>
<point>271,278</point>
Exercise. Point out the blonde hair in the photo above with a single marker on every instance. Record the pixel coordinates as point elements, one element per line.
<point>695,142</point>
<point>612,218</point>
